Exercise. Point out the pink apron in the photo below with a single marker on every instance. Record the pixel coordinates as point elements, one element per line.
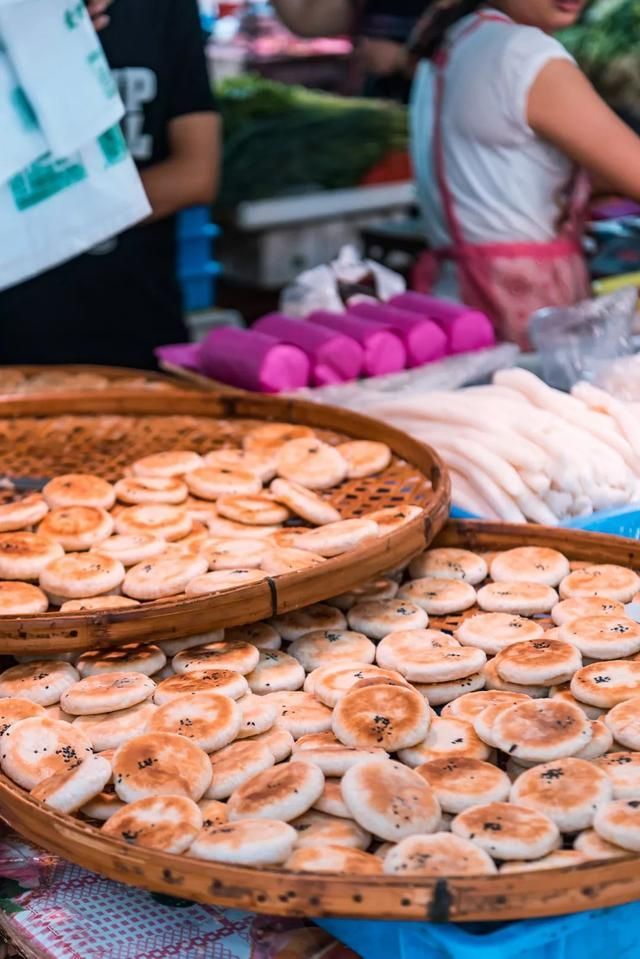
<point>507,281</point>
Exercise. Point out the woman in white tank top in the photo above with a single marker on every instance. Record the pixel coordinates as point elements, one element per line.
<point>502,120</point>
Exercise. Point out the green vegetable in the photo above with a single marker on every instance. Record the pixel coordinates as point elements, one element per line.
<point>282,140</point>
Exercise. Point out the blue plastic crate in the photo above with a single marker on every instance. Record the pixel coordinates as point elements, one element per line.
<point>199,286</point>
<point>585,935</point>
<point>617,522</point>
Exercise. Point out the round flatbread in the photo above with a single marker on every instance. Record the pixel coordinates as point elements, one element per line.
<point>428,656</point>
<point>492,632</point>
<point>161,520</point>
<point>168,463</point>
<point>568,791</point>
<point>279,740</point>
<point>603,637</point>
<point>276,672</point>
<point>324,647</point>
<point>22,513</point>
<point>210,720</point>
<point>600,743</point>
<point>160,578</point>
<point>68,791</point>
<point>494,681</point>
<point>391,518</point>
<point>559,859</point>
<point>236,764</point>
<point>338,860</point>
<point>222,580</point>
<point>608,683</point>
<point>364,457</point>
<point>623,769</point>
<point>258,715</point>
<point>385,717</point>
<point>250,842</point>
<point>592,846</point>
<point>34,749</point>
<point>460,782</point>
<point>133,657</point>
<point>223,681</point>
<point>131,549</point>
<point>292,626</point>
<point>377,618</point>
<point>507,831</point>
<point>160,764</point>
<point>110,730</point>
<point>318,829</point>
<point>214,812</point>
<point>300,713</point>
<point>334,539</point>
<point>530,564</point>
<point>267,439</point>
<point>236,656</point>
<point>470,705</point>
<point>373,589</point>
<point>618,822</point>
<point>439,694</point>
<point>331,800</point>
<point>253,510</point>
<point>282,792</point>
<point>330,755</point>
<point>232,553</point>
<point>103,806</point>
<point>606,580</point>
<point>42,681</point>
<point>541,731</point>
<point>21,599</point>
<point>80,575</point>
<point>167,823</point>
<point>484,721</point>
<point>440,854</point>
<point>261,635</point>
<point>304,502</point>
<point>311,463</point>
<point>449,563</point>
<point>76,528</point>
<point>447,738</point>
<point>133,490</point>
<point>581,606</point>
<point>79,489</point>
<point>15,708</point>
<point>263,466</point>
<point>524,599</point>
<point>98,604</point>
<point>106,693</point>
<point>538,662</point>
<point>624,723</point>
<point>439,597</point>
<point>389,800</point>
<point>23,556</point>
<point>330,683</point>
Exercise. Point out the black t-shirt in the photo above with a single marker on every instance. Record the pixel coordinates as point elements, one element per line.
<point>114,304</point>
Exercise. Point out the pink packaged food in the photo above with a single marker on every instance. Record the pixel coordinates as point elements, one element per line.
<point>423,340</point>
<point>383,351</point>
<point>253,361</point>
<point>334,357</point>
<point>466,329</point>
<point>186,355</point>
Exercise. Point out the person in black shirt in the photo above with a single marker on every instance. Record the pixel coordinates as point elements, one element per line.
<point>114,304</point>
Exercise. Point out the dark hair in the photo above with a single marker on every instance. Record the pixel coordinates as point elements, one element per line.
<point>431,29</point>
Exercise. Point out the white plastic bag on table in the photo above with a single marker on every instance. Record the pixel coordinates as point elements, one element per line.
<point>21,140</point>
<point>56,209</point>
<point>63,70</point>
<point>576,342</point>
<point>326,287</point>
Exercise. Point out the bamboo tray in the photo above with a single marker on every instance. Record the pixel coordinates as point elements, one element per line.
<point>62,380</point>
<point>105,433</point>
<point>279,892</point>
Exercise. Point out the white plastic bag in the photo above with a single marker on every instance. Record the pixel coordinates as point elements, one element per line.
<point>21,140</point>
<point>56,209</point>
<point>62,69</point>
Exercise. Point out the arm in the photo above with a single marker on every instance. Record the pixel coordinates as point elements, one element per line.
<point>190,174</point>
<point>565,109</point>
<point>316,18</point>
<point>98,12</point>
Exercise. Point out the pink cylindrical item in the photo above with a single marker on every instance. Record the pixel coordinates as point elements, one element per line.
<point>186,355</point>
<point>466,329</point>
<point>383,351</point>
<point>253,361</point>
<point>334,357</point>
<point>423,340</point>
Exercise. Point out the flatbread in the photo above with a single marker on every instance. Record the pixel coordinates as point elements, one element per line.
<point>386,717</point>
<point>568,791</point>
<point>439,854</point>
<point>166,823</point>
<point>507,831</point>
<point>460,783</point>
<point>160,764</point>
<point>282,792</point>
<point>389,800</point>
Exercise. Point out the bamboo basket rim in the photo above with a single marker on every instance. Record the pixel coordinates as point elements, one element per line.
<point>273,891</point>
<point>64,632</point>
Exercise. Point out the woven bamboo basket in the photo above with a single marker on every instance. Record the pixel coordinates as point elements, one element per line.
<point>280,892</point>
<point>106,433</point>
<point>71,379</point>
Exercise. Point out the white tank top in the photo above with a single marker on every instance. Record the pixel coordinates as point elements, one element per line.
<point>508,184</point>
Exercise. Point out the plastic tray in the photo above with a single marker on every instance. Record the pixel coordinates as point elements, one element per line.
<point>616,522</point>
